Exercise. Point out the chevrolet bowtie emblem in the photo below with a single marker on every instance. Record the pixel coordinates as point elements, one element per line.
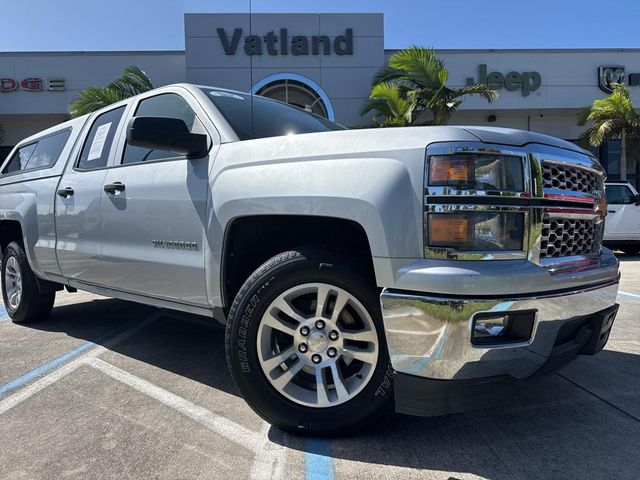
<point>600,206</point>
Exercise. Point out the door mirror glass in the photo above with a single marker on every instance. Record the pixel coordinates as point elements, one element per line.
<point>168,134</point>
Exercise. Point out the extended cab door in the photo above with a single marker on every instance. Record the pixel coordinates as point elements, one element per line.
<point>77,210</point>
<point>154,206</point>
<point>623,215</point>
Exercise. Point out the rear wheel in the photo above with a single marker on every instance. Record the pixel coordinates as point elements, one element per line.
<point>305,344</point>
<point>22,298</point>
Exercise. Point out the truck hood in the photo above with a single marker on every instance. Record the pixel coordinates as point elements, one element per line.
<point>345,142</point>
<point>519,138</point>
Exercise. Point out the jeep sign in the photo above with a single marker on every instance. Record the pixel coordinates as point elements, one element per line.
<point>526,82</point>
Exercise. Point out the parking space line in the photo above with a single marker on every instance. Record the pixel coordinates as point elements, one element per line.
<point>264,466</point>
<point>30,390</point>
<point>35,373</point>
<point>56,362</point>
<point>268,463</point>
<point>318,459</point>
<point>629,296</point>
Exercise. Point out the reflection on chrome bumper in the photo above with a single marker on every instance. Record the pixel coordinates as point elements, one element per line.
<point>430,336</point>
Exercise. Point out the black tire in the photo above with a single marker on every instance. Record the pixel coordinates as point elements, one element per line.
<point>274,277</point>
<point>33,305</point>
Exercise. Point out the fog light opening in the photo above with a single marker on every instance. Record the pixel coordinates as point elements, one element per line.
<point>496,328</point>
<point>490,326</point>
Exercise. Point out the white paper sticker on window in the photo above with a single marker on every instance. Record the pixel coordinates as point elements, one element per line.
<point>98,141</point>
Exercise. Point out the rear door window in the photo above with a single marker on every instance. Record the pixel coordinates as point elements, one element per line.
<point>48,150</point>
<point>19,159</point>
<point>96,148</point>
<point>42,154</point>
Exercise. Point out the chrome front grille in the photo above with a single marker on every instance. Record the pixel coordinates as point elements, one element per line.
<point>574,179</point>
<point>578,233</point>
<point>562,237</point>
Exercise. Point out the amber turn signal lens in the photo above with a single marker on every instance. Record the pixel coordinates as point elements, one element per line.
<point>448,229</point>
<point>448,170</point>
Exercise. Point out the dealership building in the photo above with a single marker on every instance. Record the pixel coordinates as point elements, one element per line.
<point>324,63</point>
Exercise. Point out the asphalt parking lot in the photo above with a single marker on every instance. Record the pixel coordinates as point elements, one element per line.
<point>110,389</point>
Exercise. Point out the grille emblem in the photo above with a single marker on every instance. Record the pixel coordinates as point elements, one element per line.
<point>600,206</point>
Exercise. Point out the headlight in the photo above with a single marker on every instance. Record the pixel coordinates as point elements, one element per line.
<point>474,231</point>
<point>477,171</point>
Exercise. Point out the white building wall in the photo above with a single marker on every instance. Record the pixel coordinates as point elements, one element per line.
<point>23,113</point>
<point>344,78</point>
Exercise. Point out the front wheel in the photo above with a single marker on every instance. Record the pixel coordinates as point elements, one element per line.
<point>305,344</point>
<point>22,297</point>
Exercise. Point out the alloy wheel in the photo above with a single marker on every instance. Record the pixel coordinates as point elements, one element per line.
<point>317,345</point>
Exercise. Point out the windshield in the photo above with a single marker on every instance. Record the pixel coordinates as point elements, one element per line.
<point>262,118</point>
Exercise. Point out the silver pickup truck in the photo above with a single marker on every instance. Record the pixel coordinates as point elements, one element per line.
<point>430,268</point>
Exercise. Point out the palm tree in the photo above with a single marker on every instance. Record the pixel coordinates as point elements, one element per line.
<point>612,117</point>
<point>419,79</point>
<point>393,110</point>
<point>132,82</point>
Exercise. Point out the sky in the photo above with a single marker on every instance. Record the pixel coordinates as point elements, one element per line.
<point>84,25</point>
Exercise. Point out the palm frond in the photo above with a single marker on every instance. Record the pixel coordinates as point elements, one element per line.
<point>420,79</point>
<point>94,98</point>
<point>392,108</point>
<point>133,81</point>
<point>482,89</point>
<point>609,116</point>
<point>418,65</point>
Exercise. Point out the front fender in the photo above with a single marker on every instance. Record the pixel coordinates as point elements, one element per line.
<point>376,193</point>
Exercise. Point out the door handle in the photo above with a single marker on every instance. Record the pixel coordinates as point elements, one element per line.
<point>114,187</point>
<point>65,192</point>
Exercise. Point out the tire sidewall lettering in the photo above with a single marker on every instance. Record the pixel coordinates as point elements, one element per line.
<point>387,382</point>
<point>245,323</point>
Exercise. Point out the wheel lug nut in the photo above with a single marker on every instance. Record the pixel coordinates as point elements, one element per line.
<point>320,324</point>
<point>303,347</point>
<point>316,358</point>
<point>333,335</point>
<point>304,331</point>
<point>332,352</point>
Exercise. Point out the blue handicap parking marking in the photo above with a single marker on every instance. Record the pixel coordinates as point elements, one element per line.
<point>56,362</point>
<point>318,459</point>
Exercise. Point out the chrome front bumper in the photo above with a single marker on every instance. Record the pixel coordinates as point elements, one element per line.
<point>430,336</point>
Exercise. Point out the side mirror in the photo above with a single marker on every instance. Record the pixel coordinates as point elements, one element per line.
<point>161,133</point>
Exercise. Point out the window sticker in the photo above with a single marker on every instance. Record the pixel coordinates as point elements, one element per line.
<point>98,141</point>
